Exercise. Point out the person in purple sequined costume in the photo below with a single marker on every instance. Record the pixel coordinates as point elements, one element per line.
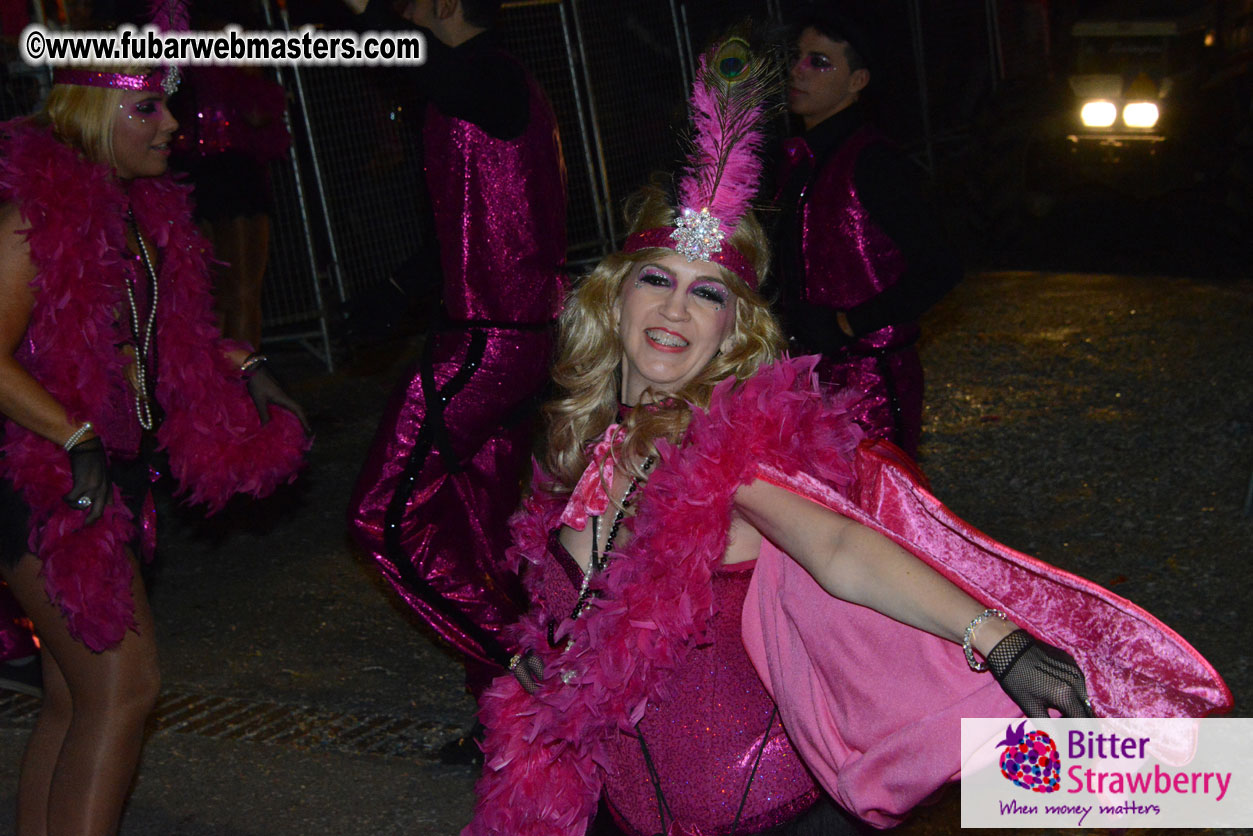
<point>859,255</point>
<point>447,463</point>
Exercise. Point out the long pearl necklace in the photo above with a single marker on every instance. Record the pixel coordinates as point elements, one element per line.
<point>143,338</point>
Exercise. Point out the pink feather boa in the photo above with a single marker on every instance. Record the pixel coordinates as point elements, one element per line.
<point>75,211</point>
<point>543,751</point>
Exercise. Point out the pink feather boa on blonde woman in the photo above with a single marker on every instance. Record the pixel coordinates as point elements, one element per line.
<point>541,774</point>
<point>75,213</point>
<point>544,751</point>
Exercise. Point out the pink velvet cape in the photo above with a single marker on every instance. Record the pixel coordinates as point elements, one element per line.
<point>543,751</point>
<point>874,707</point>
<point>75,213</point>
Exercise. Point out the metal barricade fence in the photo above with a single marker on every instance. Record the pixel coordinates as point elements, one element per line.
<point>541,33</point>
<point>349,206</point>
<point>350,203</point>
<point>633,61</point>
<point>617,81</point>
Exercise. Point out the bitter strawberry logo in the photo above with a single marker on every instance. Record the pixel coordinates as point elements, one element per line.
<point>1030,760</point>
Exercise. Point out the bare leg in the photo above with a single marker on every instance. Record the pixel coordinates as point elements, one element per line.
<point>226,250</point>
<point>243,242</point>
<point>42,750</point>
<point>85,748</point>
<point>255,232</point>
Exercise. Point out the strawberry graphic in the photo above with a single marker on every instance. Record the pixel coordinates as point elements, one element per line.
<point>1030,760</point>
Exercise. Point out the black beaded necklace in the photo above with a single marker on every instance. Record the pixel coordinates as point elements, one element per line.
<point>600,557</point>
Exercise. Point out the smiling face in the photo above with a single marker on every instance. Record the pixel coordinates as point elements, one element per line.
<point>673,316</point>
<point>142,130</point>
<point>820,83</point>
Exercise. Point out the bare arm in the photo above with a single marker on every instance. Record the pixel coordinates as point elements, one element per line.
<point>859,565</point>
<point>22,398</point>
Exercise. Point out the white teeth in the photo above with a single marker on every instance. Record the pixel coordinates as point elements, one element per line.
<point>665,338</point>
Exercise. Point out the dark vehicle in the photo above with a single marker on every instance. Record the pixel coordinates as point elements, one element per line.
<point>1135,150</point>
<point>1158,98</point>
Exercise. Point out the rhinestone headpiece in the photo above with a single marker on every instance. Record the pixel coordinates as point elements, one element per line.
<point>731,100</point>
<point>698,234</point>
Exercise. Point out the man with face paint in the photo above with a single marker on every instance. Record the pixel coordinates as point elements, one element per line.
<point>450,454</point>
<point>859,256</point>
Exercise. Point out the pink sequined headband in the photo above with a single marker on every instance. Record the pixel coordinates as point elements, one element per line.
<point>166,15</point>
<point>157,81</point>
<point>663,236</point>
<point>731,101</point>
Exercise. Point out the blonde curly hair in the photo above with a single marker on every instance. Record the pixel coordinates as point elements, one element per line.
<point>588,370</point>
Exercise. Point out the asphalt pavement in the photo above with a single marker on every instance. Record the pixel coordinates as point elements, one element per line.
<point>1103,423</point>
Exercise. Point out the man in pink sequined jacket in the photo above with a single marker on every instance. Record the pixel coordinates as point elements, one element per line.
<point>859,256</point>
<point>447,462</point>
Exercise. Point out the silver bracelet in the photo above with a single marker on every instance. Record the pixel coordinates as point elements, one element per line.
<point>969,635</point>
<point>77,436</point>
<point>251,362</point>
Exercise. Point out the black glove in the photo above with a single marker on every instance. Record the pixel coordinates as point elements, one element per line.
<point>265,390</point>
<point>529,670</point>
<point>1039,676</point>
<point>89,468</point>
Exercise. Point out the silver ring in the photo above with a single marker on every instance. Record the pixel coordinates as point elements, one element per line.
<point>83,502</point>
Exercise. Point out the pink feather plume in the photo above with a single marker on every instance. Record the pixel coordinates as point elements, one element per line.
<point>732,99</point>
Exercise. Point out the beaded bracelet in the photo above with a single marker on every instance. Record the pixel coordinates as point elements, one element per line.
<point>969,635</point>
<point>251,362</point>
<point>77,436</point>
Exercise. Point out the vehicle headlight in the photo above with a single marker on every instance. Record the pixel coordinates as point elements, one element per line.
<point>1098,114</point>
<point>1140,115</point>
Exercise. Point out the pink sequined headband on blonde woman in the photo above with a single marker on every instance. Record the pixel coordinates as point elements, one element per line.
<point>166,15</point>
<point>158,81</point>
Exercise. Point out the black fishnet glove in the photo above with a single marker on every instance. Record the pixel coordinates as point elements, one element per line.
<point>528,669</point>
<point>89,467</point>
<point>1039,676</point>
<point>265,391</point>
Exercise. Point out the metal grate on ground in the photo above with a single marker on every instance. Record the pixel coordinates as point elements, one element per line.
<point>258,721</point>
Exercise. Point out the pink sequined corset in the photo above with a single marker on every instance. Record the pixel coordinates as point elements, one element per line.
<point>704,737</point>
<point>500,216</point>
<point>847,258</point>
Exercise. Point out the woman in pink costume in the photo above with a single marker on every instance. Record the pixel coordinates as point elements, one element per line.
<point>709,517</point>
<point>110,353</point>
